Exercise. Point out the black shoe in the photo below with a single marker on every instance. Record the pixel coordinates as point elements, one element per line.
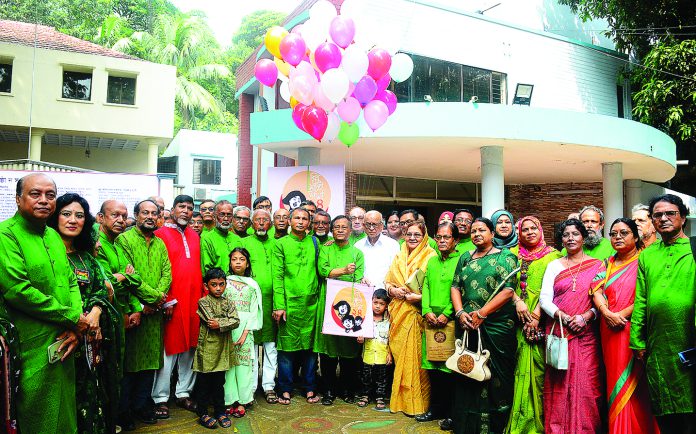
<point>147,416</point>
<point>328,398</point>
<point>125,421</point>
<point>446,424</point>
<point>349,398</point>
<point>425,417</point>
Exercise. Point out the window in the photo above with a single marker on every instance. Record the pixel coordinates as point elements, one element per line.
<point>5,77</point>
<point>620,101</point>
<point>77,85</point>
<point>206,171</point>
<point>121,90</point>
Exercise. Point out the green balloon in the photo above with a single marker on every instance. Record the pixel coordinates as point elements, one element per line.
<point>348,134</point>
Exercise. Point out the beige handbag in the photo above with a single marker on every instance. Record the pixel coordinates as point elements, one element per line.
<point>468,363</point>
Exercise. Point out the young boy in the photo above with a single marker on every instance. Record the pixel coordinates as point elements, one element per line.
<point>214,355</point>
<point>376,354</point>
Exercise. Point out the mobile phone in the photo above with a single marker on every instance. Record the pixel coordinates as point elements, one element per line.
<point>53,354</point>
<point>688,357</point>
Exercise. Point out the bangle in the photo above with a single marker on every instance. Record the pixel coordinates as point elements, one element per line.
<point>459,313</point>
<point>584,321</point>
<point>478,314</point>
<point>515,301</point>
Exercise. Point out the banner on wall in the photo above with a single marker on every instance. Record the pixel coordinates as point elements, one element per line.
<point>324,185</point>
<point>94,187</point>
<point>348,309</point>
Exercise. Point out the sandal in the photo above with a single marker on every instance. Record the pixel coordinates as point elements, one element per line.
<point>380,404</point>
<point>284,398</point>
<point>207,421</point>
<point>187,404</point>
<point>161,411</point>
<point>237,411</point>
<point>271,396</point>
<point>224,421</point>
<point>312,398</point>
<point>363,401</point>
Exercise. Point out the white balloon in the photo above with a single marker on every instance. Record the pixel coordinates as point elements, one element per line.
<point>334,83</point>
<point>315,32</point>
<point>322,10</point>
<point>332,127</point>
<point>354,9</point>
<point>355,62</point>
<point>401,67</point>
<point>285,91</point>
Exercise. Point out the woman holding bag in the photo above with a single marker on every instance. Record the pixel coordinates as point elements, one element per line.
<point>573,397</point>
<point>484,406</point>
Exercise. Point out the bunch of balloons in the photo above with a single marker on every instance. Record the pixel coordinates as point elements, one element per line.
<point>329,77</point>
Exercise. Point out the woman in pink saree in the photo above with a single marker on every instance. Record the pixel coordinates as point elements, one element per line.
<point>573,400</point>
<point>613,294</point>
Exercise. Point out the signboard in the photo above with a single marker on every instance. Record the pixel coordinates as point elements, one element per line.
<point>94,187</point>
<point>348,309</point>
<point>324,185</point>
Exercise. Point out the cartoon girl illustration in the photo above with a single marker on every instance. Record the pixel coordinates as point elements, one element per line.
<point>294,199</point>
<point>348,323</point>
<point>358,323</point>
<point>342,308</point>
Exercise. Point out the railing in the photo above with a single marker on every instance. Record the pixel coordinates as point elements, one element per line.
<point>39,166</point>
<point>178,189</point>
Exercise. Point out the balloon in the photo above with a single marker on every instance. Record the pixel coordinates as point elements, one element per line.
<point>348,133</point>
<point>351,88</point>
<point>365,90</point>
<point>354,9</point>
<point>383,83</point>
<point>401,67</point>
<point>272,40</point>
<point>376,114</point>
<point>342,31</point>
<point>303,69</point>
<point>388,98</point>
<point>293,49</point>
<point>283,67</point>
<point>285,92</point>
<point>380,62</point>
<point>266,72</point>
<point>297,112</point>
<point>327,55</point>
<point>297,29</point>
<point>334,84</point>
<point>314,33</point>
<point>321,100</point>
<point>349,109</point>
<point>302,88</point>
<point>315,121</point>
<point>293,102</point>
<point>332,127</point>
<point>322,10</point>
<point>355,63</point>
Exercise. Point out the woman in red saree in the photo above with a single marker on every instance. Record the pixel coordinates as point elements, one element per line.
<point>573,400</point>
<point>613,294</point>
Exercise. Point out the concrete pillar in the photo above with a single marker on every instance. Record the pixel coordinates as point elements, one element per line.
<point>35,144</point>
<point>152,155</point>
<point>492,180</point>
<point>634,189</point>
<point>612,186</point>
<point>308,156</point>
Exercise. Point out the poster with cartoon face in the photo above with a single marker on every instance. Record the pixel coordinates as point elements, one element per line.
<point>324,185</point>
<point>348,310</point>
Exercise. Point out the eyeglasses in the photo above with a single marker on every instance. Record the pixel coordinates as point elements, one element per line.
<point>442,237</point>
<point>372,225</point>
<point>320,223</point>
<point>461,220</point>
<point>406,223</point>
<point>622,233</point>
<point>225,215</point>
<point>415,235</point>
<point>242,219</point>
<point>669,214</point>
<point>207,208</point>
<point>357,217</point>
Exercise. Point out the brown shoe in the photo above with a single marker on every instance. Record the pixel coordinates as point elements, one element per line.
<point>187,403</point>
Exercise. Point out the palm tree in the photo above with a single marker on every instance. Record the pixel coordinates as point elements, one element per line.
<point>187,43</point>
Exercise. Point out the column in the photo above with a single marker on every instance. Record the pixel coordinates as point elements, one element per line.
<point>152,155</point>
<point>633,188</point>
<point>612,186</point>
<point>35,144</point>
<point>492,180</point>
<point>308,156</point>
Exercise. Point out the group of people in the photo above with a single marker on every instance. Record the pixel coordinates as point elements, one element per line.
<point>228,299</point>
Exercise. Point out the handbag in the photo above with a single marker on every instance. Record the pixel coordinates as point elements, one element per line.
<point>468,363</point>
<point>439,342</point>
<point>557,349</point>
<point>415,281</point>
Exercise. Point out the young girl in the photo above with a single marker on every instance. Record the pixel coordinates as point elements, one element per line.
<point>213,354</point>
<point>246,295</point>
<point>376,354</point>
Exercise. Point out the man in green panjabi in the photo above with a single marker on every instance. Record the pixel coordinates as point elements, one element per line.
<point>357,218</point>
<point>262,202</point>
<point>463,218</point>
<point>43,301</point>
<point>241,220</point>
<point>217,244</point>
<point>295,294</point>
<point>207,209</point>
<point>144,343</point>
<point>320,224</point>
<point>596,245</point>
<point>408,216</point>
<point>662,323</point>
<point>281,222</point>
<point>260,248</point>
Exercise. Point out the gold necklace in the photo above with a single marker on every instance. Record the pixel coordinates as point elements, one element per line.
<point>575,278</point>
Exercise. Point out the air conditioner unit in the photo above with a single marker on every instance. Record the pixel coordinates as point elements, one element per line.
<point>200,193</point>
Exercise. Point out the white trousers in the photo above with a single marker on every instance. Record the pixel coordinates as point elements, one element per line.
<point>186,377</point>
<point>270,364</point>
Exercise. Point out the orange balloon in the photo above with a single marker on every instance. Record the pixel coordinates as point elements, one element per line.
<point>272,40</point>
<point>293,102</point>
<point>283,67</point>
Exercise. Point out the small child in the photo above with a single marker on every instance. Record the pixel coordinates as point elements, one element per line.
<point>214,353</point>
<point>376,354</point>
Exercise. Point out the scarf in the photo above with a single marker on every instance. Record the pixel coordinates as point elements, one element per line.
<point>504,242</point>
<point>406,263</point>
<point>538,251</point>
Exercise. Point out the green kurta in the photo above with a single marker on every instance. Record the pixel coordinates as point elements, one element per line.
<point>437,296</point>
<point>295,290</point>
<point>270,232</point>
<point>465,246</point>
<point>355,238</point>
<point>113,261</point>
<point>331,257</point>
<point>216,247</point>
<point>144,344</point>
<point>527,415</point>
<point>261,253</point>
<point>214,351</point>
<point>663,323</point>
<point>601,251</point>
<point>43,300</point>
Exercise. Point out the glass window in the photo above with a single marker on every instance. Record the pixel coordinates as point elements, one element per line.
<point>415,188</point>
<point>457,191</point>
<point>5,77</point>
<point>373,185</point>
<point>121,90</point>
<point>206,171</point>
<point>77,85</point>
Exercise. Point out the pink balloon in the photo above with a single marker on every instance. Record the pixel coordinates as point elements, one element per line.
<point>303,68</point>
<point>342,31</point>
<point>266,72</point>
<point>351,88</point>
<point>349,109</point>
<point>315,121</point>
<point>327,55</point>
<point>302,88</point>
<point>387,97</point>
<point>297,29</point>
<point>383,83</point>
<point>293,49</point>
<point>297,114</point>
<point>376,114</point>
<point>322,100</point>
<point>380,62</point>
<point>365,90</point>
